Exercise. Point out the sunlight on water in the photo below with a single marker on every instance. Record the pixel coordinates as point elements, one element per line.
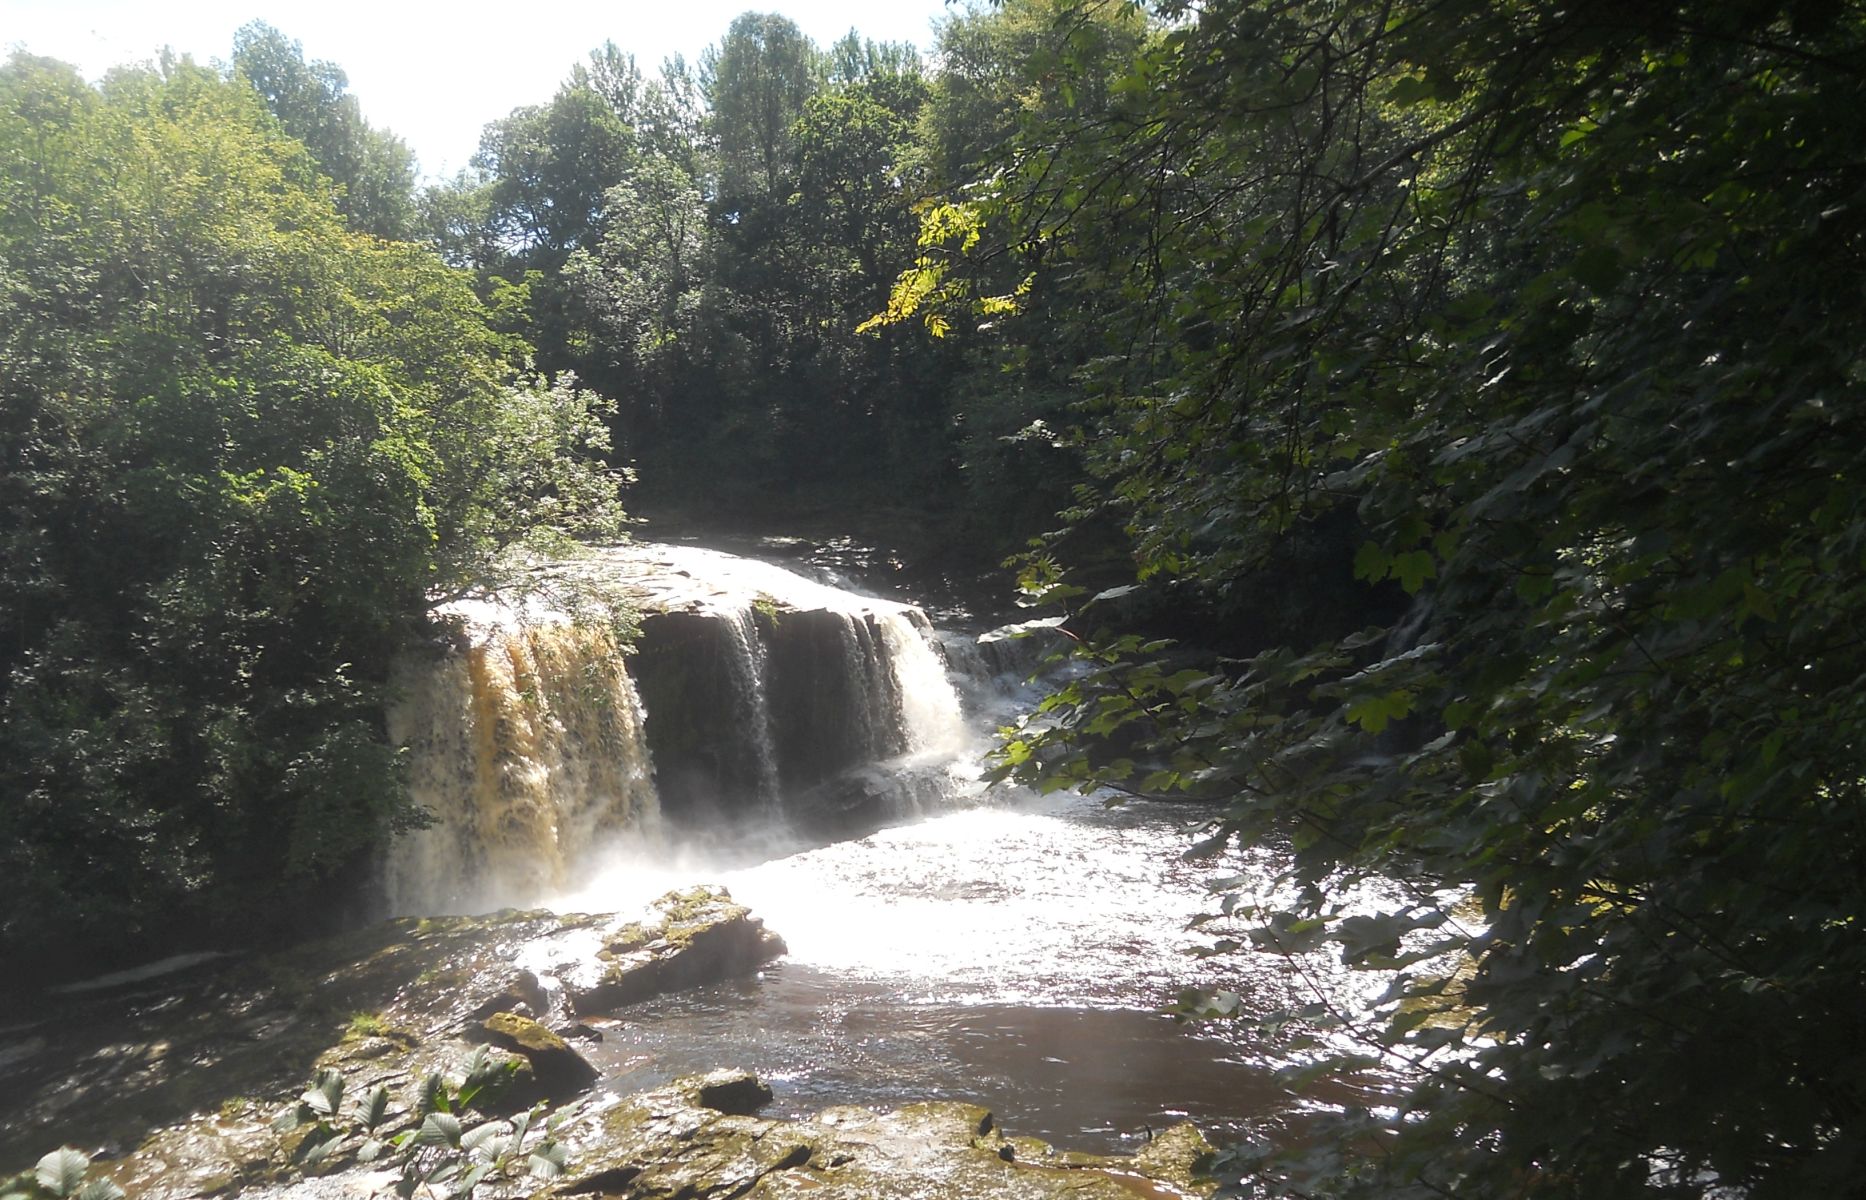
<point>1053,901</point>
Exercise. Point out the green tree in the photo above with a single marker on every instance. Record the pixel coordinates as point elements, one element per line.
<point>245,451</point>
<point>374,170</point>
<point>756,81</point>
<point>1555,304</point>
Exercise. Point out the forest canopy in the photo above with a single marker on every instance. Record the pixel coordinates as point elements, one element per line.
<point>243,452</point>
<point>1542,323</point>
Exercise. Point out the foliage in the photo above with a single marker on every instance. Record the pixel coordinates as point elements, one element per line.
<point>705,245</point>
<point>756,82</point>
<point>755,223</point>
<point>60,1175</point>
<point>1559,306</point>
<point>439,1154</point>
<point>245,451</point>
<point>373,170</point>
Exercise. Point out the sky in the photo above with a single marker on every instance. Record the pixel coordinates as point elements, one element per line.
<point>435,74</point>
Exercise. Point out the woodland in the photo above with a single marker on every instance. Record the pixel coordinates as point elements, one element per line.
<point>1434,415</point>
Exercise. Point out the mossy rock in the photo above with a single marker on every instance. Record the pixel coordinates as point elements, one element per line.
<point>689,938</point>
<point>735,1093</point>
<point>1180,1155</point>
<point>557,1071</point>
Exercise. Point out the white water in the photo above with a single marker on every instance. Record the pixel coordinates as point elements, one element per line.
<point>1056,900</point>
<point>749,666</point>
<point>930,714</point>
<point>527,749</point>
<point>1017,955</point>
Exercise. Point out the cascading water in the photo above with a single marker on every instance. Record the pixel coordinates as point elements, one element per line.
<point>768,697</point>
<point>749,657</point>
<point>931,722</point>
<point>525,748</point>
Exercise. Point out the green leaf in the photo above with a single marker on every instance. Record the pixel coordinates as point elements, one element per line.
<point>433,1094</point>
<point>1372,713</point>
<point>549,1161</point>
<point>291,1118</point>
<point>374,1107</point>
<point>315,1150</point>
<point>480,1135</point>
<point>439,1129</point>
<point>1599,268</point>
<point>326,1095</point>
<point>62,1171</point>
<point>1413,568</point>
<point>1372,563</point>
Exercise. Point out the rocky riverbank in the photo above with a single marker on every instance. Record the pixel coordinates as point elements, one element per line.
<point>176,1085</point>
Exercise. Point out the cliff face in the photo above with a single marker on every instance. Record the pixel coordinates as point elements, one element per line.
<point>754,713</point>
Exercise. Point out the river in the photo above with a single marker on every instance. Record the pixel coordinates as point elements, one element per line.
<point>1018,955</point>
<point>961,942</point>
<point>991,945</point>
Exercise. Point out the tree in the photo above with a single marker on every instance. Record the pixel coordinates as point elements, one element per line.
<point>246,452</point>
<point>373,169</point>
<point>1556,304</point>
<point>756,82</point>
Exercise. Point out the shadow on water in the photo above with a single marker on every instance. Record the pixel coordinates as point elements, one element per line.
<point>1086,1078</point>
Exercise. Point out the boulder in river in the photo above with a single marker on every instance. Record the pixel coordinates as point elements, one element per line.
<point>686,939</point>
<point>557,1071</point>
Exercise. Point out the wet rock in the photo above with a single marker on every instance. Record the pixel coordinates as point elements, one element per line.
<point>204,1158</point>
<point>687,939</point>
<point>558,1072</point>
<point>1022,650</point>
<point>1178,1155</point>
<point>523,994</point>
<point>662,1144</point>
<point>387,1005</point>
<point>735,1093</point>
<point>667,1143</point>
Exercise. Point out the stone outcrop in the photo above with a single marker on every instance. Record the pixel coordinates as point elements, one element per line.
<point>558,1072</point>
<point>386,1005</point>
<point>688,938</point>
<point>671,1142</point>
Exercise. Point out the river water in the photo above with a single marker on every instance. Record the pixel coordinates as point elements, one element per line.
<point>993,945</point>
<point>985,944</point>
<point>1018,955</point>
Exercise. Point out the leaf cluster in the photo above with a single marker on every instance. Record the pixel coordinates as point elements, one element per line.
<point>442,1152</point>
<point>1553,307</point>
<point>60,1175</point>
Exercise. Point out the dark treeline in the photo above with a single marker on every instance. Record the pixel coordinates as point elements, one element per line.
<point>1469,385</point>
<point>704,243</point>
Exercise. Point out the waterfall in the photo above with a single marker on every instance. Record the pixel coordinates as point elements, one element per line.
<point>928,715</point>
<point>526,748</point>
<point>763,696</point>
<point>873,712</point>
<point>749,658</point>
